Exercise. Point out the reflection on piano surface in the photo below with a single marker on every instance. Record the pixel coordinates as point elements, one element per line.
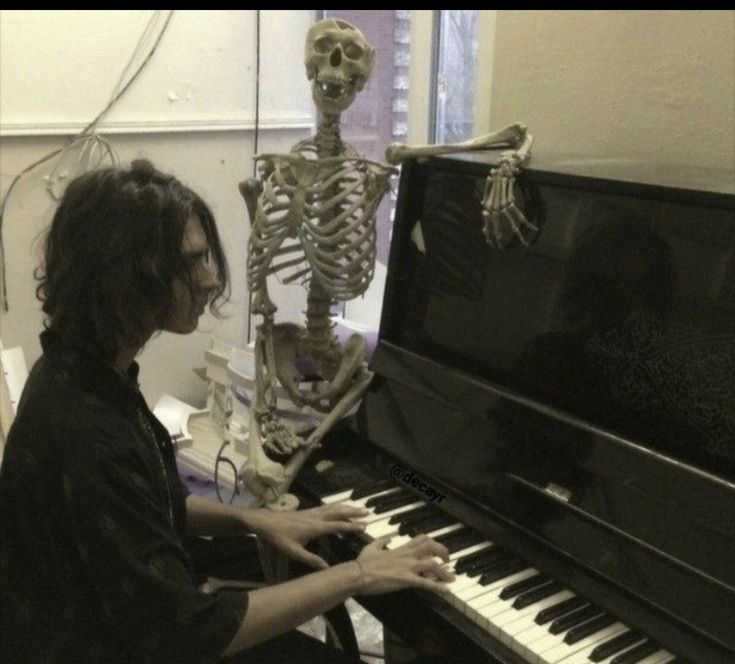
<point>574,401</point>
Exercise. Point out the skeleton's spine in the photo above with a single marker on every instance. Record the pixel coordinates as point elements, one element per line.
<point>319,326</point>
<point>318,304</point>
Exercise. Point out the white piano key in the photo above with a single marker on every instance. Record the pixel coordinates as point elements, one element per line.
<point>336,497</point>
<point>608,660</point>
<point>666,657</point>
<point>658,657</point>
<point>399,540</point>
<point>381,528</point>
<point>470,549</point>
<point>492,588</point>
<point>482,604</point>
<point>531,642</point>
<point>470,592</point>
<point>520,620</point>
<point>474,590</point>
<point>344,497</point>
<point>478,608</point>
<point>372,517</point>
<point>563,651</point>
<point>554,650</point>
<point>461,582</point>
<point>528,640</point>
<point>445,530</point>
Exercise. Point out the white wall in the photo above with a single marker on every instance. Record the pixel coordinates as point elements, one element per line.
<point>191,112</point>
<point>656,85</point>
<point>652,85</point>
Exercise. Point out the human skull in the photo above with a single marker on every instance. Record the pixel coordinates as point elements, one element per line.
<point>338,63</point>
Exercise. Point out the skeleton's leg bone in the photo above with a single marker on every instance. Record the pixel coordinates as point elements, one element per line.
<point>350,398</point>
<point>262,475</point>
<point>264,405</point>
<point>352,363</point>
<point>287,337</point>
<point>271,433</point>
<point>510,136</point>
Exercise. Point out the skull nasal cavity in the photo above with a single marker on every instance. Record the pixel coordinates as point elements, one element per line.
<point>335,59</point>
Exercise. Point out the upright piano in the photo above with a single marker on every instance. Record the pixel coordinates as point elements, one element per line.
<point>561,415</point>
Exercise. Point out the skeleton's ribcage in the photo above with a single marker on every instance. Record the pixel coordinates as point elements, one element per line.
<point>316,220</point>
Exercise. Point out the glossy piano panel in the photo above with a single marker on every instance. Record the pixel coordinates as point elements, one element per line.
<point>581,390</point>
<point>622,313</point>
<point>575,490</point>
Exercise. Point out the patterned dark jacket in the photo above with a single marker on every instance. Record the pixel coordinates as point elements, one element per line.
<point>92,516</point>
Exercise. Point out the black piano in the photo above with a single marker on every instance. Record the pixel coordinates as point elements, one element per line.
<point>560,415</point>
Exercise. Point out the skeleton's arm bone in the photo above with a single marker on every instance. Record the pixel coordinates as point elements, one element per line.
<point>250,190</point>
<point>511,136</point>
<point>523,152</point>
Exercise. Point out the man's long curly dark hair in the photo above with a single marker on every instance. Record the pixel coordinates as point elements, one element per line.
<point>113,252</point>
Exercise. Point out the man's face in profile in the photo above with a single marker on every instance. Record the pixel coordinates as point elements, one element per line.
<point>189,304</point>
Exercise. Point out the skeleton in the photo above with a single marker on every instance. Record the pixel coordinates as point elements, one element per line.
<point>312,213</point>
<point>502,218</point>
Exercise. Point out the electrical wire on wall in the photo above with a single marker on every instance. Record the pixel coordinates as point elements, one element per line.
<point>256,139</point>
<point>86,150</point>
<point>221,458</point>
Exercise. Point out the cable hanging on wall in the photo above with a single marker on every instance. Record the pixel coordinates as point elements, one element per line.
<point>256,138</point>
<point>86,150</point>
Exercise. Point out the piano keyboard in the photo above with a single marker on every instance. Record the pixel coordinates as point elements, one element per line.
<point>521,606</point>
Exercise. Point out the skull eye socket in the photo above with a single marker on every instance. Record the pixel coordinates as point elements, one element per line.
<point>353,51</point>
<point>323,45</point>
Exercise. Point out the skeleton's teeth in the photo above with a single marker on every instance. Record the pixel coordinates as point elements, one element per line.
<point>332,90</point>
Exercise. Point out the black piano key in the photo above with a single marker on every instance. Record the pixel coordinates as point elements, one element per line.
<point>455,540</point>
<point>636,654</point>
<point>471,559</point>
<point>502,572</point>
<point>317,486</point>
<point>616,644</point>
<point>413,515</point>
<point>392,493</point>
<point>503,558</point>
<point>537,594</point>
<point>489,569</point>
<point>371,488</point>
<point>562,608</point>
<point>448,537</point>
<point>586,629</point>
<point>428,525</point>
<point>573,619</point>
<point>377,501</point>
<point>519,587</point>
<point>482,557</point>
<point>463,541</point>
<point>394,502</point>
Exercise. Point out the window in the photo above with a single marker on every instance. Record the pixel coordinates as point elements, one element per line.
<point>456,54</point>
<point>422,89</point>
<point>378,117</point>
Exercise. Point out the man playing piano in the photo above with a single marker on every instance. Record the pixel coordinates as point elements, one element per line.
<point>93,514</point>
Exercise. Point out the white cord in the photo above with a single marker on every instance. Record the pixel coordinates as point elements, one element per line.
<point>93,149</point>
